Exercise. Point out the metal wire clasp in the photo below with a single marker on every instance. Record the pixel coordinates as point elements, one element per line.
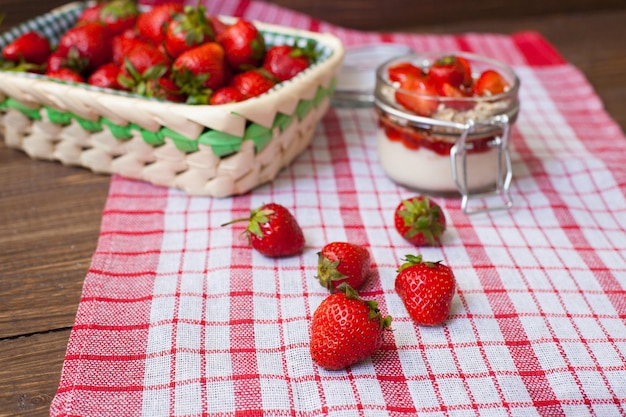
<point>458,160</point>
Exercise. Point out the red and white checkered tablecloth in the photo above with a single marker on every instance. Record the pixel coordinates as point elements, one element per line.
<point>179,317</point>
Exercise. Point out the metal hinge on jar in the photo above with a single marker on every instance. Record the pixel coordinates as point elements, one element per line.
<point>503,175</point>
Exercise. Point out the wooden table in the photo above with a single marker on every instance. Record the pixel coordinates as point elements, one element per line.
<point>50,214</point>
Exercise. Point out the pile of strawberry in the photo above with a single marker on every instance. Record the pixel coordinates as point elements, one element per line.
<point>171,52</point>
<point>346,329</point>
<point>450,76</point>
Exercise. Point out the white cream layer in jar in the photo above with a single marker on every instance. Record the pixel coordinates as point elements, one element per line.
<point>425,170</point>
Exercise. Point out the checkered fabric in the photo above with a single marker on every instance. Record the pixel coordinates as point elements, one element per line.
<point>179,317</point>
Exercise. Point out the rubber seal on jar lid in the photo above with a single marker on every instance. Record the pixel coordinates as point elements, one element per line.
<point>356,79</point>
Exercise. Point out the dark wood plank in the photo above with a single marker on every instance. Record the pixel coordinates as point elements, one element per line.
<point>18,11</point>
<point>377,15</point>
<point>49,226</point>
<point>30,372</point>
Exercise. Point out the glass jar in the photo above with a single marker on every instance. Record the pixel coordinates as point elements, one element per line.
<point>356,79</point>
<point>461,148</point>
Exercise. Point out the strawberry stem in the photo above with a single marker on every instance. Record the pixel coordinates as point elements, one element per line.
<point>350,292</point>
<point>374,313</point>
<point>257,217</point>
<point>411,260</point>
<point>327,271</point>
<point>422,218</point>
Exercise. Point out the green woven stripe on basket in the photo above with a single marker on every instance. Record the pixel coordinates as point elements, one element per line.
<point>118,131</point>
<point>221,143</point>
<point>258,134</point>
<point>332,86</point>
<point>58,117</point>
<point>282,121</point>
<point>89,125</point>
<point>303,108</point>
<point>30,112</point>
<point>152,138</point>
<point>320,95</point>
<point>182,142</point>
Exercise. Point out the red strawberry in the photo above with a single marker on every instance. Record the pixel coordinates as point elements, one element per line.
<point>65,74</point>
<point>90,13</point>
<point>418,94</point>
<point>400,71</point>
<point>225,95</point>
<point>152,23</point>
<point>187,30</point>
<point>467,71</point>
<point>117,15</point>
<point>90,41</point>
<point>426,289</point>
<point>340,262</point>
<point>71,60</point>
<point>200,70</point>
<point>490,82</point>
<point>55,61</point>
<point>447,90</point>
<point>285,61</point>
<point>273,231</point>
<point>448,69</point>
<point>131,33</point>
<point>106,77</point>
<point>243,44</point>
<point>217,25</point>
<point>420,221</point>
<point>253,82</point>
<point>163,88</point>
<point>346,329</point>
<point>31,47</point>
<point>123,45</point>
<point>144,62</point>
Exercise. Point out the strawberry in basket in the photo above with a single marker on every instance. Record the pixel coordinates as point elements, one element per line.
<point>186,30</point>
<point>285,61</point>
<point>186,54</point>
<point>28,52</point>
<point>243,44</point>
<point>91,41</point>
<point>152,24</point>
<point>199,71</point>
<point>117,15</point>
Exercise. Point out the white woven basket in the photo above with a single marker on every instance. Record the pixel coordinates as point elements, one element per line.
<point>218,151</point>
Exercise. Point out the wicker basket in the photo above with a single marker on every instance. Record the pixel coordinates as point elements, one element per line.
<point>218,151</point>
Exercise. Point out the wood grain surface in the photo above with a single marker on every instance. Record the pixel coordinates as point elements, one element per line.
<point>50,214</point>
<point>390,14</point>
